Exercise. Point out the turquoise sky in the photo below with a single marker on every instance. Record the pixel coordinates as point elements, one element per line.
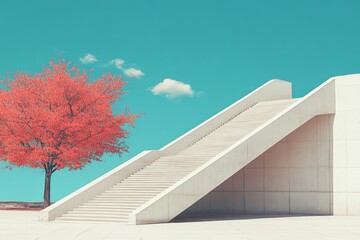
<point>222,49</point>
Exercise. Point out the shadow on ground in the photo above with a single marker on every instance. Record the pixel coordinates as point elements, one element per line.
<point>230,216</point>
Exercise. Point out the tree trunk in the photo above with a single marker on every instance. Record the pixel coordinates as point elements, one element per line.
<point>47,188</point>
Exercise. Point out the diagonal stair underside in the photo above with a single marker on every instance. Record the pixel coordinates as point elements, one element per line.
<point>119,201</point>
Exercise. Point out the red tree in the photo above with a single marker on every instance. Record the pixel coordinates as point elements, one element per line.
<point>58,119</point>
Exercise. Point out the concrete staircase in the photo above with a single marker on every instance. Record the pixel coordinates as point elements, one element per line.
<point>120,200</point>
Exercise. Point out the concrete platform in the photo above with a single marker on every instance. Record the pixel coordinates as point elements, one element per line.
<point>24,225</point>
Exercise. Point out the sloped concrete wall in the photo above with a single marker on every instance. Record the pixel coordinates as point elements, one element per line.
<point>292,177</point>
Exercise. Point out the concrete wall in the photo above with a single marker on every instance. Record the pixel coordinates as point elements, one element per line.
<point>347,146</point>
<point>314,170</point>
<point>292,177</point>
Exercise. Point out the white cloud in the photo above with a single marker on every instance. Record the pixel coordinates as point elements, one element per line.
<point>130,72</point>
<point>133,73</point>
<point>117,62</point>
<point>88,58</point>
<point>172,88</point>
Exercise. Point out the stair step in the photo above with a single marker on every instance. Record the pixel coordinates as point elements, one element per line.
<point>99,211</point>
<point>112,216</point>
<point>150,181</point>
<point>140,188</point>
<point>114,205</point>
<point>173,168</point>
<point>162,174</point>
<point>136,188</point>
<point>130,200</point>
<point>175,172</point>
<point>154,177</point>
<point>123,197</point>
<point>129,195</point>
<point>114,208</point>
<point>91,219</point>
<point>157,176</point>
<point>126,197</point>
<point>102,209</point>
<point>183,154</point>
<point>139,185</point>
<point>176,162</point>
<point>151,178</point>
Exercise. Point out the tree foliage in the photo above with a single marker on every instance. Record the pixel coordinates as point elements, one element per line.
<point>59,119</point>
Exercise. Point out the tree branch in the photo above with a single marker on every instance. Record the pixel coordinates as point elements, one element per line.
<point>54,168</point>
<point>71,110</point>
<point>84,139</point>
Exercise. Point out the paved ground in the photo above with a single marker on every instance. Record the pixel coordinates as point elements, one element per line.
<point>19,225</point>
